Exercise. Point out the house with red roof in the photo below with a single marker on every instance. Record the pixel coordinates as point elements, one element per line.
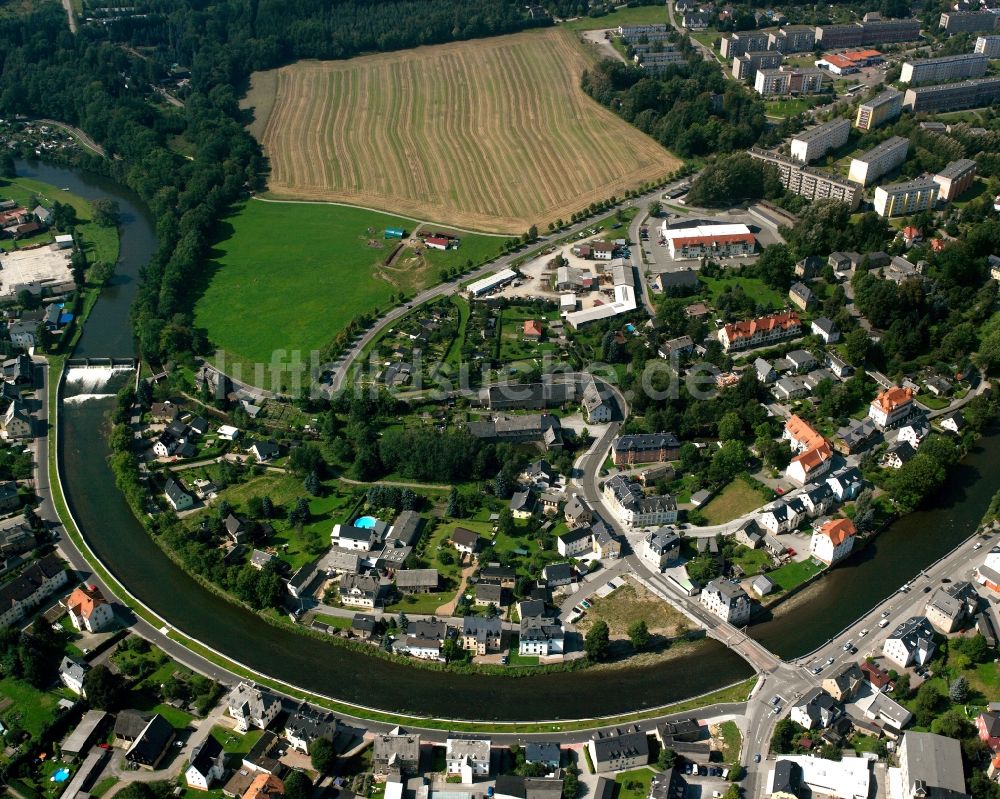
<point>88,609</point>
<point>833,541</point>
<point>533,330</point>
<point>891,406</point>
<point>760,332</point>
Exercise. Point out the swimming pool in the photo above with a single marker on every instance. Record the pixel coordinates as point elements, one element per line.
<point>365,522</point>
<point>61,776</point>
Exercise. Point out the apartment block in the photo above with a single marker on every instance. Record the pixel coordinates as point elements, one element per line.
<point>818,141</point>
<point>939,70</point>
<point>968,21</point>
<point>654,62</point>
<point>869,167</point>
<point>792,39</point>
<point>873,31</point>
<point>809,182</point>
<point>953,96</point>
<point>743,42</point>
<point>883,107</point>
<point>745,66</point>
<point>777,82</point>
<point>989,46</point>
<point>903,199</point>
<point>955,179</point>
<point>631,32</point>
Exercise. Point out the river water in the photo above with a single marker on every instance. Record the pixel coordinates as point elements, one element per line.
<point>130,553</point>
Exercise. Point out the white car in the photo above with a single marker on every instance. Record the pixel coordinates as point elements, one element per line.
<point>863,633</point>
<point>883,623</point>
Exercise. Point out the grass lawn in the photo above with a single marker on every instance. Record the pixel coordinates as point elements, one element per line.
<point>340,622</point>
<point>30,709</point>
<point>732,739</point>
<point>754,288</point>
<point>629,604</point>
<point>453,356</point>
<point>514,659</point>
<point>634,784</point>
<point>305,544</point>
<point>734,500</point>
<point>234,743</point>
<point>291,276</point>
<point>623,16</point>
<point>794,573</point>
<point>786,108</point>
<point>104,786</point>
<point>932,402</point>
<point>421,603</point>
<point>752,561</point>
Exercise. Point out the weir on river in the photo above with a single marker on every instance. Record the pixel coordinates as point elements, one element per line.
<point>130,553</point>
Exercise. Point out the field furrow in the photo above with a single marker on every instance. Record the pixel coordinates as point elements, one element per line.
<point>493,134</point>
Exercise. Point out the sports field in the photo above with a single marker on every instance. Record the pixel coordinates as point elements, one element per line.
<point>493,134</point>
<point>292,275</point>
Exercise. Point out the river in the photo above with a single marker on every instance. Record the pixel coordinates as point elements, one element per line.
<point>134,558</point>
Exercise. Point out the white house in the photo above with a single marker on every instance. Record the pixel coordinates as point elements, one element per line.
<point>833,541</point>
<point>468,758</point>
<point>825,329</point>
<point>912,434</point>
<point>207,765</point>
<point>228,433</point>
<point>659,548</point>
<point>727,601</point>
<point>72,673</point>
<point>89,610</point>
<point>952,422</point>
<point>891,406</point>
<point>816,710</point>
<point>251,706</point>
<point>911,643</point>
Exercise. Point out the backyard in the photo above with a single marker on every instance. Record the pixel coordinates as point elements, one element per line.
<point>736,499</point>
<point>754,288</point>
<point>795,573</point>
<point>634,784</point>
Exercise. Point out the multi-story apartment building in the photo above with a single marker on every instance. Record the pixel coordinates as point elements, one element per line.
<point>727,601</point>
<point>873,30</point>
<point>633,32</point>
<point>658,60</point>
<point>792,39</point>
<point>955,179</point>
<point>764,330</point>
<point>953,96</point>
<point>870,166</point>
<point>808,182</point>
<point>718,241</point>
<point>883,107</point>
<point>949,67</point>
<point>743,42</point>
<point>968,21</point>
<point>745,66</point>
<point>989,46</point>
<point>776,82</point>
<point>818,141</point>
<point>903,199</point>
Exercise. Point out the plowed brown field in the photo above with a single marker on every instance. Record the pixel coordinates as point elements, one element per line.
<point>493,134</point>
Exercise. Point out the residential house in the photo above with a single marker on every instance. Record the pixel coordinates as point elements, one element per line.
<point>577,511</point>
<point>911,643</point>
<point>251,706</point>
<point>207,765</point>
<point>522,505</point>
<point>88,609</point>
<point>38,581</point>
<point>179,499</point>
<point>801,360</point>
<point>833,541</point>
<point>891,407</point>
<point>988,726</point>
<point>898,454</point>
<point>814,456</point>
<point>364,626</point>
<point>348,536</point>
<point>481,635</point>
<point>465,541</point>
<point>307,723</point>
<point>782,516</point>
<point>825,329</point>
<point>16,423</point>
<point>841,368</point>
<point>676,347</point>
<point>846,484</point>
<point>636,509</point>
<point>538,475</point>
<point>596,404</point>
<point>815,710</point>
<point>545,753</point>
<point>844,681</point>
<point>817,377</point>
<point>264,451</point>
<point>660,548</point>
<point>857,436</point>
<point>619,749</point>
<point>129,725</point>
<point>265,786</point>
<point>952,422</point>
<point>818,500</point>
<point>236,528</point>
<point>557,574</point>
<point>72,673</point>
<point>951,605</point>
<point>362,590</point>
<point>929,765</point>
<point>468,757</point>
<point>765,372</point>
<point>644,448</point>
<point>510,786</point>
<point>760,332</point>
<point>539,632</point>
<point>491,594</point>
<point>748,534</point>
<point>425,638</point>
<point>801,295</point>
<point>577,541</point>
<point>396,751</point>
<point>728,601</point>
<point>789,388</point>
<point>495,574</point>
<point>152,744</point>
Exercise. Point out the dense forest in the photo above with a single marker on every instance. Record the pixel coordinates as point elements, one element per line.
<point>690,109</point>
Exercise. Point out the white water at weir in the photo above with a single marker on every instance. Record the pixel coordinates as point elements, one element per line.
<point>87,379</point>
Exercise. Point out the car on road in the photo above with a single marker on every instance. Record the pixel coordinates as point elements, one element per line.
<point>829,661</point>
<point>885,614</point>
<point>883,623</point>
<point>756,758</point>
<point>847,646</point>
<point>863,633</point>
<point>818,669</point>
<point>585,603</point>
<point>979,545</point>
<point>927,589</point>
<point>945,579</point>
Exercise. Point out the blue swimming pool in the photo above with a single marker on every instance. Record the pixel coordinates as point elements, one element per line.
<point>365,522</point>
<point>61,776</point>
